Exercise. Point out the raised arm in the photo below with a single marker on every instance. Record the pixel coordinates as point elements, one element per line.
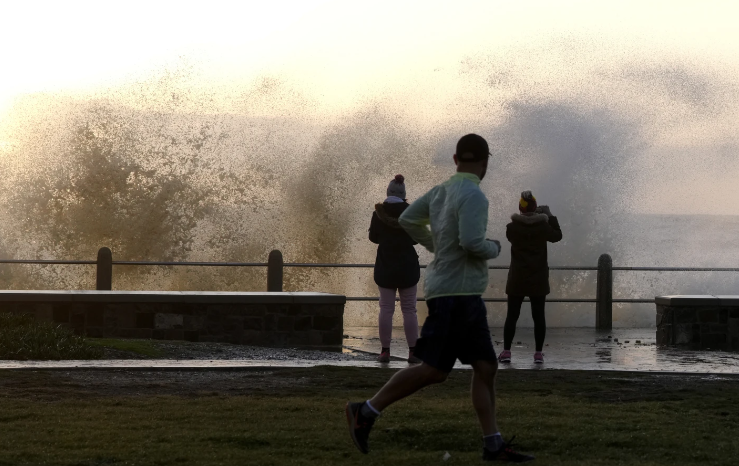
<point>415,221</point>
<point>555,233</point>
<point>473,223</point>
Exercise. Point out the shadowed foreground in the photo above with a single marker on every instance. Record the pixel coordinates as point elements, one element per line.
<point>295,416</point>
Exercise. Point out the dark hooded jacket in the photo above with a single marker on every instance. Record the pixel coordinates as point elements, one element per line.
<point>396,265</point>
<point>529,272</point>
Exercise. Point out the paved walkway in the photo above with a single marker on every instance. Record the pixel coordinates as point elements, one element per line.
<point>627,349</point>
<point>186,364</point>
<point>567,348</point>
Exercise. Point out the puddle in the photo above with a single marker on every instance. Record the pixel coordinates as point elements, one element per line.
<point>623,349</point>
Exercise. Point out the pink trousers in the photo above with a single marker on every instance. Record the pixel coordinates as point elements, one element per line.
<point>407,306</point>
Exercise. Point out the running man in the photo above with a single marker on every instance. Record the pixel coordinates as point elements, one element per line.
<point>456,327</point>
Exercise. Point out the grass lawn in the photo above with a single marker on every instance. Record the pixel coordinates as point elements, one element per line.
<point>296,417</point>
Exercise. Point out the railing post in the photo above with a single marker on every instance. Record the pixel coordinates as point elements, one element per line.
<point>604,294</point>
<point>274,271</point>
<point>104,279</point>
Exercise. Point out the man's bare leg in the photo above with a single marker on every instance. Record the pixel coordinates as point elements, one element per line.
<point>483,399</point>
<point>361,415</point>
<point>483,395</point>
<point>406,382</point>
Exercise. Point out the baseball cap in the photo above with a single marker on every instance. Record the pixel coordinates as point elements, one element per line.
<point>472,148</point>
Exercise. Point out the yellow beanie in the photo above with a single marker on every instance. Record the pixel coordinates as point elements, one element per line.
<point>527,203</point>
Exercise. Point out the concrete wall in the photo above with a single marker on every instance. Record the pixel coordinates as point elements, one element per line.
<point>269,319</point>
<point>701,322</point>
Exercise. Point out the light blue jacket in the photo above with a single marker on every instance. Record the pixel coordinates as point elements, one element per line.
<point>457,213</point>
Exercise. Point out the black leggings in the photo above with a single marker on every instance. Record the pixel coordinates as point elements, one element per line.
<point>514,311</point>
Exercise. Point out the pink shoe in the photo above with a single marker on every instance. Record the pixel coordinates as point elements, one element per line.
<point>505,356</point>
<point>539,357</point>
<point>384,357</point>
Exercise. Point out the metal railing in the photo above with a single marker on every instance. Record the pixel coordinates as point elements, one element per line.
<point>275,277</point>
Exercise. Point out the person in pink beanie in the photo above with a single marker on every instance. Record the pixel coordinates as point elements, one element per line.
<point>396,268</point>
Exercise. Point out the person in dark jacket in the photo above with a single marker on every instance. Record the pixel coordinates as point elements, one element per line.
<point>396,268</point>
<point>529,232</point>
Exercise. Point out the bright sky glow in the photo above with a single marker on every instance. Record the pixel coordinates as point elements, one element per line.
<point>345,53</point>
<point>337,48</point>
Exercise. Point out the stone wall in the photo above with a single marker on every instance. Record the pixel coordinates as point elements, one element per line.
<point>269,319</point>
<point>701,322</point>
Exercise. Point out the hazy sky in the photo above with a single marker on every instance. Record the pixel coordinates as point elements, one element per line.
<point>337,47</point>
<point>342,54</point>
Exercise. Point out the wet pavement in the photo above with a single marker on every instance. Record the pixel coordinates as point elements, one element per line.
<point>188,364</point>
<point>627,349</point>
<point>623,349</point>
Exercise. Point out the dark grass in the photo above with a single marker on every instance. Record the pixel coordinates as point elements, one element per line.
<point>23,338</point>
<point>296,417</point>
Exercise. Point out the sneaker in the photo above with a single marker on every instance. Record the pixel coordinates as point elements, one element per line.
<point>539,357</point>
<point>505,356</point>
<point>412,359</point>
<point>359,426</point>
<point>384,357</point>
<point>506,453</point>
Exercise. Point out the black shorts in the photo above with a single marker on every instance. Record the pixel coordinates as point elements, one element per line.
<point>456,328</point>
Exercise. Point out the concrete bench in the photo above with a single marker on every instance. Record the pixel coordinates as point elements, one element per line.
<point>270,319</point>
<point>700,321</point>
